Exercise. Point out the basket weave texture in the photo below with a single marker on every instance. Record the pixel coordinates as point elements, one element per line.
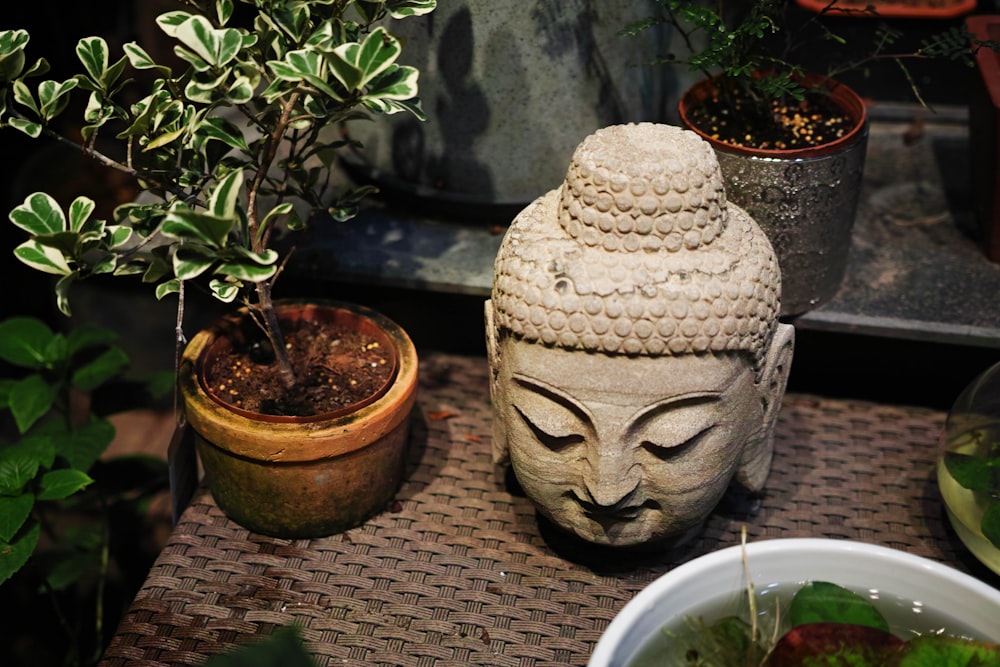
<point>460,571</point>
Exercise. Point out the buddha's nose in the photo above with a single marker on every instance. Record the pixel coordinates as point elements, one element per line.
<point>612,481</point>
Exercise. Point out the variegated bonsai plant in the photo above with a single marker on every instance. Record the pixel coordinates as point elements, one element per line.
<point>238,140</point>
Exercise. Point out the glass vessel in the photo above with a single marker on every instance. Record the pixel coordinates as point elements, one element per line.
<point>973,428</point>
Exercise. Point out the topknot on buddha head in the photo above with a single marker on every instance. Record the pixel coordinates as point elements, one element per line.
<point>638,253</point>
<point>643,187</point>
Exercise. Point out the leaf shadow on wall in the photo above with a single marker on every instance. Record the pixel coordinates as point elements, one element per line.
<point>461,113</point>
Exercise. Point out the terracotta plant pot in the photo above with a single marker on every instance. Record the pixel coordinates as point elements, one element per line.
<point>303,476</point>
<point>911,9</point>
<point>805,199</point>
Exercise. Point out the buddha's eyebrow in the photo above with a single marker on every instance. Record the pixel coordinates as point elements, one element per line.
<point>554,394</point>
<point>677,402</point>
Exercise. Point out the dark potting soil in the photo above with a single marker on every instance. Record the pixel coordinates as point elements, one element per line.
<point>783,125</point>
<point>334,366</point>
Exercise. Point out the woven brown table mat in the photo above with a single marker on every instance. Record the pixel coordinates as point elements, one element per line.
<point>459,571</point>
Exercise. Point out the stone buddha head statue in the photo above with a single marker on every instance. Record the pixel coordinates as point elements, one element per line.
<point>637,361</point>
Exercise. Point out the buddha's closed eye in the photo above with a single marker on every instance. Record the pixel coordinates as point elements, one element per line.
<point>674,451</point>
<point>670,429</point>
<point>550,435</point>
<point>555,419</point>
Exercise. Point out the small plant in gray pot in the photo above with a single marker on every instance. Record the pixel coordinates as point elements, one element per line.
<point>229,154</point>
<point>791,140</point>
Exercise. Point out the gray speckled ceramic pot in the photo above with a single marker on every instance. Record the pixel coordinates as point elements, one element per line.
<point>805,199</point>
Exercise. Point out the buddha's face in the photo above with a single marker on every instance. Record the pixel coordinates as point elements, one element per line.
<point>624,451</point>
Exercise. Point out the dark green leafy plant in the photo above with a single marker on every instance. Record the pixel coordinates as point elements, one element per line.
<point>979,471</point>
<point>223,149</point>
<point>58,499</point>
<point>283,648</point>
<point>757,51</point>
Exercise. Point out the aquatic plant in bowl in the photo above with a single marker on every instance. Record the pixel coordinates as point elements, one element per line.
<point>915,596</point>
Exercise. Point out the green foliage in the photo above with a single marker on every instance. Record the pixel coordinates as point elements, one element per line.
<point>979,472</point>
<point>223,149</point>
<point>284,648</point>
<point>821,601</point>
<point>756,48</point>
<point>55,450</point>
<point>52,469</point>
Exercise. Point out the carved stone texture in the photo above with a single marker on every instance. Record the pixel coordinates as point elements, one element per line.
<point>638,361</point>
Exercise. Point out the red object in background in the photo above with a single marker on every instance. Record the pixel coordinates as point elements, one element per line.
<point>984,133</point>
<point>922,9</point>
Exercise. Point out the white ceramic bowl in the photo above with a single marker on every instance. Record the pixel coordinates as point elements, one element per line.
<point>855,565</point>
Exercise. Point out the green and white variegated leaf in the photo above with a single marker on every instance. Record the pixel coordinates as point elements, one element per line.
<point>97,113</point>
<point>41,66</point>
<point>240,91</point>
<point>106,262</point>
<point>170,21</point>
<point>183,223</point>
<point>314,106</point>
<point>139,59</point>
<point>192,58</point>
<point>284,208</point>
<point>225,196</point>
<point>399,9</point>
<point>43,258</point>
<point>249,266</point>
<point>357,64</point>
<point>118,235</point>
<point>62,293</point>
<point>395,84</point>
<point>216,46</point>
<point>23,96</point>
<point>144,111</point>
<point>167,288</point>
<point>395,106</point>
<point>129,269</point>
<point>159,266</point>
<point>276,90</point>
<point>219,128</point>
<point>93,53</point>
<point>308,66</point>
<point>79,213</point>
<point>166,116</point>
<point>224,291</point>
<point>33,130</point>
<point>12,43</point>
<point>369,10</point>
<point>293,21</point>
<point>164,139</point>
<point>190,261</point>
<point>39,214</point>
<point>53,96</point>
<point>223,11</point>
<point>204,91</point>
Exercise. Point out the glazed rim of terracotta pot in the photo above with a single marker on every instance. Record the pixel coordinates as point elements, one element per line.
<point>290,312</point>
<point>894,8</point>
<point>848,100</point>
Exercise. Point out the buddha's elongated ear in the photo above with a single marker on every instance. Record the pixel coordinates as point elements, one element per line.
<point>755,463</point>
<point>501,455</point>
